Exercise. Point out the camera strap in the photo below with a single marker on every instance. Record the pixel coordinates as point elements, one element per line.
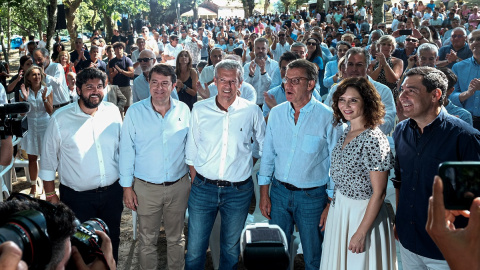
<point>98,252</point>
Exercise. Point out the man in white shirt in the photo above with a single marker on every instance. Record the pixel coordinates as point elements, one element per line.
<point>172,50</point>
<point>259,76</point>
<point>219,153</point>
<point>81,142</point>
<point>150,42</point>
<point>206,77</point>
<point>157,187</point>
<point>280,44</point>
<point>135,55</point>
<point>141,87</point>
<point>54,77</point>
<point>43,43</point>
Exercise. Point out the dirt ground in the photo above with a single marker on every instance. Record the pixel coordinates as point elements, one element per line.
<point>128,251</point>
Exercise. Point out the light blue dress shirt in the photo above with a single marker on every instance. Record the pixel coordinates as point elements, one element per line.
<point>141,89</point>
<point>152,147</point>
<point>330,70</point>
<point>279,94</point>
<point>466,71</point>
<point>299,154</point>
<point>459,112</point>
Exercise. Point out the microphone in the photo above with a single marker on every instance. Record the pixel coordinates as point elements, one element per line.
<point>13,108</point>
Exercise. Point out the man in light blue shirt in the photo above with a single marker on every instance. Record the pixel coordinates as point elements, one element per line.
<point>449,106</point>
<point>331,69</point>
<point>141,87</point>
<point>466,93</point>
<point>277,95</point>
<point>356,65</point>
<point>296,158</point>
<point>153,172</point>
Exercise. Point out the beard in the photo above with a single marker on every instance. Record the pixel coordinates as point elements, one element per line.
<point>89,104</point>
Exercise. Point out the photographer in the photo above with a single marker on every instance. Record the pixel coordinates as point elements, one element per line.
<point>60,227</point>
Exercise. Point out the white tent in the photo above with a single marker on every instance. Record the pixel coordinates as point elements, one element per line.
<point>202,12</point>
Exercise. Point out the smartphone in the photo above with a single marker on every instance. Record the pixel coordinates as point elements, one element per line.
<point>288,23</point>
<point>461,183</point>
<point>405,32</point>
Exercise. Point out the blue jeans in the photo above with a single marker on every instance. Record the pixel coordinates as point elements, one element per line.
<point>304,209</point>
<point>203,205</point>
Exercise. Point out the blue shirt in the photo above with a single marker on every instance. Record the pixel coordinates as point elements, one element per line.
<point>402,54</point>
<point>447,138</point>
<point>459,112</point>
<point>279,94</point>
<point>152,147</point>
<point>330,70</point>
<point>299,154</point>
<point>466,71</point>
<point>141,89</point>
<point>463,53</point>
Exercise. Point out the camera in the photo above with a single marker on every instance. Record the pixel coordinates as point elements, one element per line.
<point>10,123</point>
<point>87,241</point>
<point>28,229</point>
<point>461,183</point>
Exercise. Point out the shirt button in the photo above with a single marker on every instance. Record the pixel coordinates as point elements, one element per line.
<point>413,189</point>
<point>418,154</point>
<point>411,205</point>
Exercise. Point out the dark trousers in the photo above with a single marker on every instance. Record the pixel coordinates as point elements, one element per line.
<point>476,122</point>
<point>103,203</point>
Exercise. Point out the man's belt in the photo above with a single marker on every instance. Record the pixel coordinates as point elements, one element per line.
<point>165,184</point>
<point>222,183</point>
<point>95,190</point>
<point>294,188</point>
<point>60,105</point>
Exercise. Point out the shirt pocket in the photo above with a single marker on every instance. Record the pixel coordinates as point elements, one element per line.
<point>311,143</point>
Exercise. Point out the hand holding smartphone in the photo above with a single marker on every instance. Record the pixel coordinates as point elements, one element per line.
<point>461,183</point>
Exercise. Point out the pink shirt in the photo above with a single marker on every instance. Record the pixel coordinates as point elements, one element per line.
<point>474,16</point>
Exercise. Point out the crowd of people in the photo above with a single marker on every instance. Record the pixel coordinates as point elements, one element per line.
<point>326,102</point>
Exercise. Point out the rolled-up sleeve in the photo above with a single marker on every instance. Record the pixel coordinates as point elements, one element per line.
<point>50,151</point>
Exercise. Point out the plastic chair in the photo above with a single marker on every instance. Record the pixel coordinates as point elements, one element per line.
<point>5,175</point>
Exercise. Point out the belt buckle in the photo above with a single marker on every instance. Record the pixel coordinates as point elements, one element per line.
<point>223,183</point>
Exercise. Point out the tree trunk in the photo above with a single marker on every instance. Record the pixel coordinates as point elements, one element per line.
<point>320,4</point>
<point>195,10</point>
<point>251,6</point>
<point>52,22</point>
<point>9,30</point>
<point>266,6</point>
<point>70,12</point>
<point>108,25</point>
<point>245,8</point>
<point>40,29</point>
<point>286,8</point>
<point>377,11</point>
<point>92,22</point>
<point>4,50</point>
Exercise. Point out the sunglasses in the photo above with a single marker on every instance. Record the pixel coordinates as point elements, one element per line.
<point>311,43</point>
<point>411,40</point>
<point>144,59</point>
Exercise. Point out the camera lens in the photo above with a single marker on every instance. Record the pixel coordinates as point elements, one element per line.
<point>28,229</point>
<point>87,241</point>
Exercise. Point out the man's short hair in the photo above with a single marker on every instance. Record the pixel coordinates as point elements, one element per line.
<point>471,33</point>
<point>358,50</point>
<point>165,70</point>
<point>310,68</point>
<point>172,37</point>
<point>202,64</point>
<point>31,42</point>
<point>140,39</point>
<point>451,76</point>
<point>93,47</point>
<point>298,44</point>
<point>90,74</point>
<point>343,43</point>
<point>145,27</point>
<point>460,28</point>
<point>432,79</point>
<point>261,39</point>
<point>287,56</point>
<point>60,224</point>
<point>427,47</point>
<point>230,65</point>
<point>118,44</point>
<point>44,52</point>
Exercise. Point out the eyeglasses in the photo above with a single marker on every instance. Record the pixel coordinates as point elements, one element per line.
<point>144,59</point>
<point>294,81</point>
<point>458,36</point>
<point>311,43</point>
<point>411,40</point>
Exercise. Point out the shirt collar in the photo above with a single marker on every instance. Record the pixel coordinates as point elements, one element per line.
<point>149,105</point>
<point>474,62</point>
<point>307,108</point>
<point>439,119</point>
<point>79,111</point>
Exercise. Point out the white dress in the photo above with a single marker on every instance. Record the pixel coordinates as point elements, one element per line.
<point>37,122</point>
<point>350,170</point>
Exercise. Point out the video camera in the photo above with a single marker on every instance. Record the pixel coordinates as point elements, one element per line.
<point>28,229</point>
<point>10,122</point>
